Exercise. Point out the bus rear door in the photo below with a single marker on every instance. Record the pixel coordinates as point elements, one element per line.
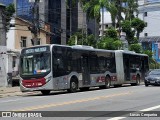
<point>85,70</point>
<point>126,67</point>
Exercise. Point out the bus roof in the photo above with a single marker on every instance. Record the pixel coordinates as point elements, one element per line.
<point>130,52</point>
<point>90,48</point>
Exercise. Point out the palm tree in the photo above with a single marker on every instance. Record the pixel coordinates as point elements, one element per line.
<point>130,9</point>
<point>93,7</point>
<point>113,11</point>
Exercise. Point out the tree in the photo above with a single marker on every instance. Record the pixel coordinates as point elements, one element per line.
<point>126,27</point>
<point>130,9</point>
<point>138,25</point>
<point>89,40</point>
<point>8,13</point>
<point>118,5</point>
<point>72,40</point>
<point>109,43</point>
<point>112,33</point>
<point>136,47</point>
<point>93,7</point>
<point>114,12</point>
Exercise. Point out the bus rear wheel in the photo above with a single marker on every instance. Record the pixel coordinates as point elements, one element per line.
<point>45,92</point>
<point>138,80</point>
<point>107,82</point>
<point>73,86</point>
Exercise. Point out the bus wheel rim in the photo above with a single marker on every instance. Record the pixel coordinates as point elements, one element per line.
<point>73,85</point>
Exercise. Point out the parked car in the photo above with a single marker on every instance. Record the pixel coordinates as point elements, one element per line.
<point>152,78</point>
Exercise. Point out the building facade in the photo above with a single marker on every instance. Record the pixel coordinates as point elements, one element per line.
<point>64,17</point>
<point>149,12</point>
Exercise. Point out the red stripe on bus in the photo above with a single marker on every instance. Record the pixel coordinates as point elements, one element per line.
<point>101,79</point>
<point>34,82</point>
<point>134,77</point>
<point>114,78</point>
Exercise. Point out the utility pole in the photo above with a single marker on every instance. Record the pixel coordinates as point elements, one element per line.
<point>35,28</point>
<point>15,5</point>
<point>70,18</point>
<point>102,21</point>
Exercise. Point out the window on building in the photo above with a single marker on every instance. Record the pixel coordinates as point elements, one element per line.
<point>14,62</point>
<point>146,24</point>
<point>145,14</point>
<point>145,34</point>
<point>106,26</point>
<point>23,41</point>
<point>39,41</point>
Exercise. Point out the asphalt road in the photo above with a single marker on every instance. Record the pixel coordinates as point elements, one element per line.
<point>112,104</point>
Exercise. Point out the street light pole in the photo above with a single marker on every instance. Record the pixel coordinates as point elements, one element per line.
<point>36,21</point>
<point>35,29</point>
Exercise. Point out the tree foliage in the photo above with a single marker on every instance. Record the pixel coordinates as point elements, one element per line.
<point>129,23</point>
<point>8,13</point>
<point>92,8</point>
<point>81,40</point>
<point>126,27</point>
<point>136,47</point>
<point>112,33</point>
<point>138,25</point>
<point>109,43</point>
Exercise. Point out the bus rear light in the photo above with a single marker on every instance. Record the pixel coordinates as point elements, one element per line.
<point>34,83</point>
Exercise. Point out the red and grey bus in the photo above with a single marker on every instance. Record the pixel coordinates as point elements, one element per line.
<point>47,68</point>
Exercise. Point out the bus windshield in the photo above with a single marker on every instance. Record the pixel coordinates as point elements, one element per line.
<point>38,63</point>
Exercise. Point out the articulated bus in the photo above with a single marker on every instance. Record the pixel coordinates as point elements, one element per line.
<point>47,68</point>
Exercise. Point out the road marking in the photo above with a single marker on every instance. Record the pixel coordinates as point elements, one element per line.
<point>144,110</point>
<point>151,108</point>
<point>70,102</point>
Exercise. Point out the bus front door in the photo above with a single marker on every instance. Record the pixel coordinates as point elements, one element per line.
<point>85,71</point>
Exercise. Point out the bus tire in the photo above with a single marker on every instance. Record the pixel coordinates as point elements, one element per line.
<point>45,92</point>
<point>73,86</point>
<point>107,82</point>
<point>138,80</point>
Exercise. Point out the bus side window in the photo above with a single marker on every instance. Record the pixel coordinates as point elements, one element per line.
<point>101,62</point>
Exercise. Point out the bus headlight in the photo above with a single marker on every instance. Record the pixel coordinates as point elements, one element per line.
<point>48,79</point>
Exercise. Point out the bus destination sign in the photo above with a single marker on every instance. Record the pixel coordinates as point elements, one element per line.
<point>35,50</point>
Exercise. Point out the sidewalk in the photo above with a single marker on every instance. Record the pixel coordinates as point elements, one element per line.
<point>12,91</point>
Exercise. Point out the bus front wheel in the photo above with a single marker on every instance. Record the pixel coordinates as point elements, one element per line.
<point>73,86</point>
<point>138,81</point>
<point>45,92</point>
